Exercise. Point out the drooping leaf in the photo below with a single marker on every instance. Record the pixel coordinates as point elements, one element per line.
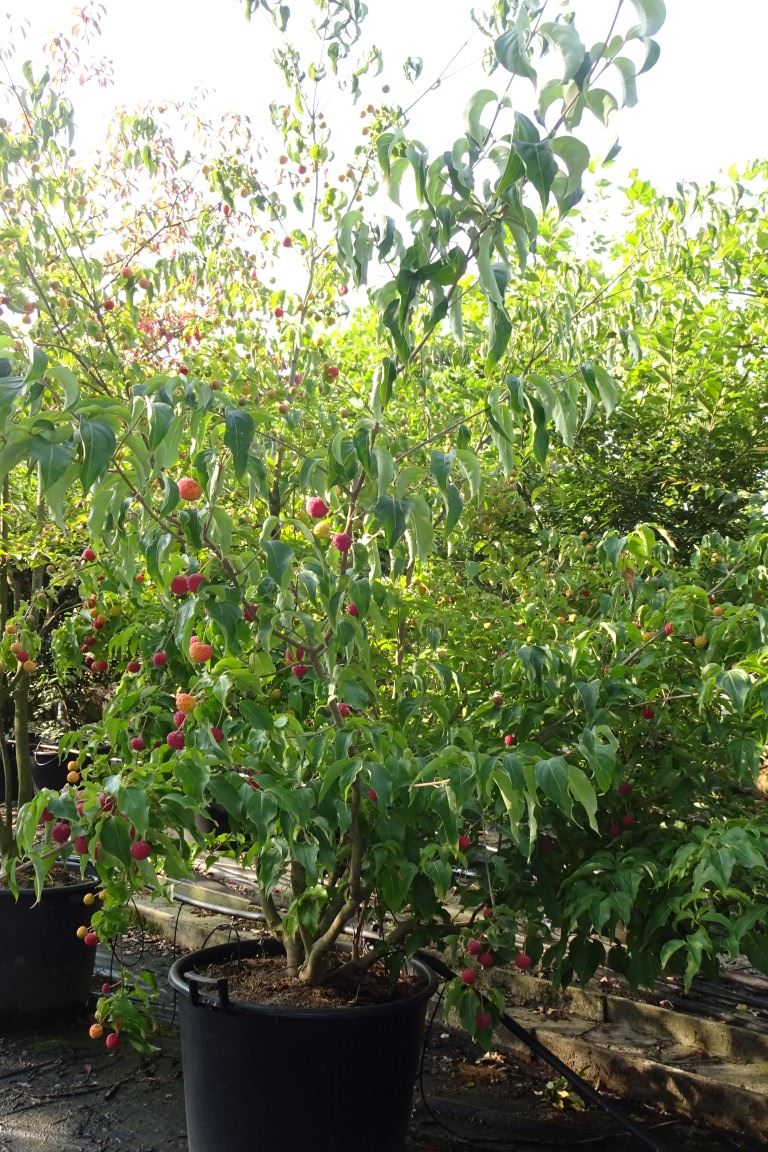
<point>238,436</point>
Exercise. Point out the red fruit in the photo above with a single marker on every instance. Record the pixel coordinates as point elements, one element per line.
<point>179,718</point>
<point>614,831</point>
<point>133,666</point>
<point>108,305</point>
<point>483,1022</point>
<point>189,489</point>
<point>523,961</point>
<point>628,820</point>
<point>625,788</point>
<point>194,580</point>
<point>342,541</point>
<point>183,370</point>
<point>179,585</point>
<point>217,734</point>
<point>140,849</point>
<point>510,739</point>
<point>249,612</point>
<point>668,629</point>
<point>485,959</point>
<point>84,646</point>
<point>91,939</point>
<point>343,289</point>
<point>292,657</point>
<point>299,671</point>
<point>226,209</point>
<point>316,507</point>
<point>106,989</point>
<point>648,713</point>
<point>22,655</point>
<point>352,608</point>
<point>344,709</point>
<point>301,169</point>
<point>99,666</point>
<point>158,659</point>
<point>47,816</point>
<point>373,796</point>
<point>99,622</point>
<point>497,699</point>
<point>140,577</point>
<point>465,842</point>
<point>279,312</point>
<point>106,803</point>
<point>331,372</point>
<point>199,653</point>
<point>60,832</point>
<point>112,1041</point>
<point>175,740</point>
<point>488,912</point>
<point>474,947</point>
<point>81,845</point>
<point>138,744</point>
<point>468,976</point>
<point>287,242</point>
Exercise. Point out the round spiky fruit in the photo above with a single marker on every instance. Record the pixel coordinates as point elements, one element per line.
<point>200,653</point>
<point>189,489</point>
<point>316,507</point>
<point>140,849</point>
<point>185,701</point>
<point>341,541</point>
<point>175,740</point>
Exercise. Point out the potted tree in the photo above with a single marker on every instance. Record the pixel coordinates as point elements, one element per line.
<point>270,494</point>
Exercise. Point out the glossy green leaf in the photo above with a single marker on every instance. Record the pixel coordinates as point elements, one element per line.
<point>238,436</point>
<point>511,53</point>
<point>98,446</point>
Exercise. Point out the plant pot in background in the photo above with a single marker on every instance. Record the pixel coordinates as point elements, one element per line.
<point>49,766</point>
<point>216,822</point>
<point>45,970</point>
<point>264,1076</point>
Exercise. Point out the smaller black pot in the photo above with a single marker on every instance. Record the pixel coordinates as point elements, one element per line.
<point>45,970</point>
<point>215,823</point>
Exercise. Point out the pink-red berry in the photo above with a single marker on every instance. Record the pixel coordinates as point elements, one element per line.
<point>625,788</point>
<point>474,947</point>
<point>465,842</point>
<point>483,1022</point>
<point>60,832</point>
<point>133,666</point>
<point>158,659</point>
<point>175,740</point>
<point>180,585</point>
<point>140,849</point>
<point>112,1041</point>
<point>81,845</point>
<point>342,541</point>
<point>352,608</point>
<point>523,961</point>
<point>316,507</point>
<point>299,671</point>
<point>138,744</point>
<point>485,959</point>
<point>194,580</point>
<point>510,739</point>
<point>217,734</point>
<point>468,976</point>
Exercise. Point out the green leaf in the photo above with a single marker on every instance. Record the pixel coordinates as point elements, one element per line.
<point>227,615</point>
<point>499,333</point>
<point>627,70</point>
<point>540,166</point>
<point>736,685</point>
<point>238,437</point>
<point>393,516</point>
<point>755,948</point>
<point>38,365</point>
<point>552,776</point>
<point>606,386</point>
<point>583,793</point>
<point>279,560</point>
<point>651,14</point>
<point>133,803</point>
<point>512,55</point>
<point>99,443</point>
<point>154,551</point>
<point>66,377</point>
<point>566,39</point>
<point>474,111</point>
<point>54,459</point>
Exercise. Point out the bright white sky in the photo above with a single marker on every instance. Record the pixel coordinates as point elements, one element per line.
<point>699,109</point>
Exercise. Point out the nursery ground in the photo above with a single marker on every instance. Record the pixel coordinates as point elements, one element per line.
<point>61,1091</point>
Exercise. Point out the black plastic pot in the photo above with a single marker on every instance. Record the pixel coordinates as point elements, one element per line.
<point>216,822</point>
<point>45,970</point>
<point>49,767</point>
<point>259,1077</point>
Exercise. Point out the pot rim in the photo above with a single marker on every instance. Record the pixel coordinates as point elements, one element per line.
<point>81,886</point>
<point>219,952</point>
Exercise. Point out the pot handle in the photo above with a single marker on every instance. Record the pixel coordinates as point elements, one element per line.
<point>198,983</point>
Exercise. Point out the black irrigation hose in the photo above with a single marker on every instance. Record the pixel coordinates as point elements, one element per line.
<point>585,1090</point>
<point>579,1085</point>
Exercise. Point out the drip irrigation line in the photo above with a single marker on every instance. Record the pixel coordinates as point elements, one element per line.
<point>579,1085</point>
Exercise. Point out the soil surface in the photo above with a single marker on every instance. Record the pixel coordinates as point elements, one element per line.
<point>266,981</point>
<point>62,1092</point>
